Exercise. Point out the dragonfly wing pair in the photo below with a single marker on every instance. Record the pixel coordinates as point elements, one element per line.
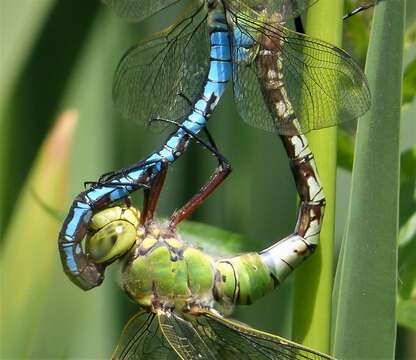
<point>156,78</point>
<point>324,84</point>
<point>208,336</point>
<point>137,10</point>
<point>288,9</point>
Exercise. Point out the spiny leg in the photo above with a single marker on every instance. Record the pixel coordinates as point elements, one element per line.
<point>301,29</point>
<point>210,145</point>
<point>221,172</point>
<point>151,196</point>
<point>358,10</point>
<point>108,176</point>
<point>134,186</point>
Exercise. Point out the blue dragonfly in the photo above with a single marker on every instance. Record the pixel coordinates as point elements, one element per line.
<point>178,77</point>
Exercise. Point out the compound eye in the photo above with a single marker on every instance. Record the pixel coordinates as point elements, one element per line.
<point>111,241</point>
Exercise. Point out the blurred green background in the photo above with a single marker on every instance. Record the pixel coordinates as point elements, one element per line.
<point>61,54</point>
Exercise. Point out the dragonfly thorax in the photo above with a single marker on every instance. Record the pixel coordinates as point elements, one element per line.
<point>163,272</point>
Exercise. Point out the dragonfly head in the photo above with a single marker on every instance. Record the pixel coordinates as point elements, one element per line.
<point>113,232</point>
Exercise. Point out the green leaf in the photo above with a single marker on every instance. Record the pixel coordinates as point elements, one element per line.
<point>30,255</point>
<point>409,83</point>
<point>313,280</point>
<point>366,279</point>
<point>410,14</point>
<point>407,255</point>
<point>407,232</point>
<point>20,24</point>
<point>407,184</point>
<point>406,313</point>
<point>345,150</point>
<point>41,73</point>
<point>212,239</point>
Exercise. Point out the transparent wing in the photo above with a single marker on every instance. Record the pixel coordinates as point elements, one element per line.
<point>324,84</point>
<point>137,10</point>
<point>142,339</point>
<point>287,9</point>
<point>233,340</point>
<point>158,78</point>
<point>183,337</point>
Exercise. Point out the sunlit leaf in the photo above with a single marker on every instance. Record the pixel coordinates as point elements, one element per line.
<point>406,313</point>
<point>407,255</point>
<point>30,254</point>
<point>409,83</point>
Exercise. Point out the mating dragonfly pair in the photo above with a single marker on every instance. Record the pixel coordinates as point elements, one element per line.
<point>284,82</point>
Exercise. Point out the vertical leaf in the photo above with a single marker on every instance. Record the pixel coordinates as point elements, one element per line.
<point>30,254</point>
<point>366,279</point>
<point>313,281</point>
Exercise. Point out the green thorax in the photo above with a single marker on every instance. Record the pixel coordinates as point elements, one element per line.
<point>162,271</point>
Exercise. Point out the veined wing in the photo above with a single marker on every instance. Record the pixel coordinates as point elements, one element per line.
<point>324,84</point>
<point>137,10</point>
<point>183,337</point>
<point>287,9</point>
<point>142,339</point>
<point>151,75</point>
<point>234,340</point>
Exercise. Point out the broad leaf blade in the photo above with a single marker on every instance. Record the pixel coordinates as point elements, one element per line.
<point>366,279</point>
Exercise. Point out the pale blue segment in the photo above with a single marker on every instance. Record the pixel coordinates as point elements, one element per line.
<point>154,157</point>
<point>174,141</point>
<point>193,127</point>
<point>166,154</point>
<point>69,258</point>
<point>124,180</point>
<point>197,118</point>
<point>220,38</point>
<point>214,88</point>
<point>82,205</point>
<point>120,192</point>
<point>135,174</point>
<point>77,215</point>
<point>219,71</point>
<point>98,193</point>
<point>220,52</point>
<point>201,105</point>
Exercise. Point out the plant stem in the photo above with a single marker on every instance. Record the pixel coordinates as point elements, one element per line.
<point>313,281</point>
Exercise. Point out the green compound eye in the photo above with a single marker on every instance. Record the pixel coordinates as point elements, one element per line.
<point>115,233</point>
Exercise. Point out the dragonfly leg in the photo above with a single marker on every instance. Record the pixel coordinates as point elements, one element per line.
<point>220,173</point>
<point>134,186</point>
<point>299,25</point>
<point>301,29</point>
<point>104,178</point>
<point>151,195</point>
<point>358,10</point>
<point>210,145</point>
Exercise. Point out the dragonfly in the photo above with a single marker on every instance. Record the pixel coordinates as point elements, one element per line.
<point>184,292</point>
<point>283,81</point>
